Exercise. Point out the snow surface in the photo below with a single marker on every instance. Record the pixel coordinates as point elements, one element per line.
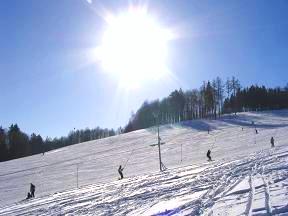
<point>247,176</point>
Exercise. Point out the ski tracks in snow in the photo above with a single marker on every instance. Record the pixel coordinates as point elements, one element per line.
<point>258,189</point>
<point>254,185</point>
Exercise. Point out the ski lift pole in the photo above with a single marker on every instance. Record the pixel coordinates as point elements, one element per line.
<point>161,165</point>
<point>77,169</point>
<point>159,140</point>
<point>181,152</point>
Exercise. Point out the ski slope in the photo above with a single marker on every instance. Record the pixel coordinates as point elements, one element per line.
<point>247,177</point>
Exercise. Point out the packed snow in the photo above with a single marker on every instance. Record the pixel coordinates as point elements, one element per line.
<point>246,176</point>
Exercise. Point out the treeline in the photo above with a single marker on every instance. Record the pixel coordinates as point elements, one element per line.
<point>212,99</point>
<point>15,144</point>
<point>256,98</point>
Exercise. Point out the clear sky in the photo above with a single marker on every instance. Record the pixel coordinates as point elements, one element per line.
<point>49,85</point>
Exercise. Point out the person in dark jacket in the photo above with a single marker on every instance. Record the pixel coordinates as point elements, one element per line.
<point>272,142</point>
<point>120,171</point>
<point>32,190</point>
<point>209,155</point>
<point>28,195</point>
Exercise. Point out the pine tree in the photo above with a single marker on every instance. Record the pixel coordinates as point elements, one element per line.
<point>18,142</point>
<point>3,146</point>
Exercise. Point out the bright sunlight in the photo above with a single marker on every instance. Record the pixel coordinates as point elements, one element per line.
<point>134,48</point>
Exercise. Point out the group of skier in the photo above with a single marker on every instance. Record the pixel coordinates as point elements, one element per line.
<point>31,194</point>
<point>208,154</point>
<point>271,140</point>
<point>32,191</point>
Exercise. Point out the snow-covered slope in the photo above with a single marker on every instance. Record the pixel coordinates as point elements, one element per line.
<point>246,176</point>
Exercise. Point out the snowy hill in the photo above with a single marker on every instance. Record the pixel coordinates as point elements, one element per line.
<point>246,176</point>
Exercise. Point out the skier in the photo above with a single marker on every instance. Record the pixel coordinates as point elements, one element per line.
<point>32,190</point>
<point>256,131</point>
<point>120,169</point>
<point>208,155</point>
<point>272,142</point>
<point>29,195</point>
<point>43,150</point>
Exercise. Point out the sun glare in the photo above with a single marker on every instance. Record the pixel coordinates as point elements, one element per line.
<point>134,48</point>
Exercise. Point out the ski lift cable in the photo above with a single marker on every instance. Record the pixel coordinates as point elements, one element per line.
<point>275,132</point>
<point>128,158</point>
<point>59,163</point>
<point>214,142</point>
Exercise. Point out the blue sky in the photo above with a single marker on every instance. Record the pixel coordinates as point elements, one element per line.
<point>48,86</point>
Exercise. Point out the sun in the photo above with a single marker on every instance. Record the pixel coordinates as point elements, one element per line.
<point>134,47</point>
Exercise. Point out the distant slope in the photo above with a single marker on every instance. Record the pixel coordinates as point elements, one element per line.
<point>98,160</point>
